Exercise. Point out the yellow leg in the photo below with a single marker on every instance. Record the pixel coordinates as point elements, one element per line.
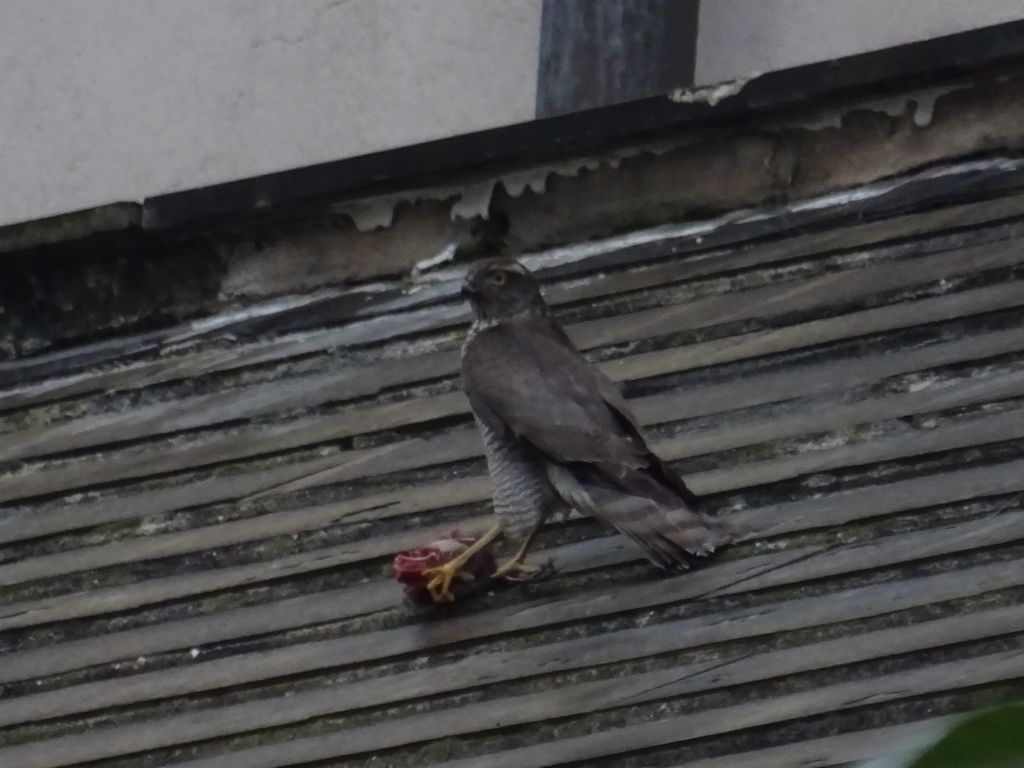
<point>441,577</point>
<point>515,563</point>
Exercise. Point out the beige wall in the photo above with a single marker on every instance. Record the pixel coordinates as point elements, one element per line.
<point>107,100</point>
<point>111,100</point>
<point>737,37</point>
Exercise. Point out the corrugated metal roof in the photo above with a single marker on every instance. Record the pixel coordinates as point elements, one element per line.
<point>197,524</point>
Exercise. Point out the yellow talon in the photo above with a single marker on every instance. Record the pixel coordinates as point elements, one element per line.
<point>440,584</point>
<point>441,577</point>
<point>514,569</point>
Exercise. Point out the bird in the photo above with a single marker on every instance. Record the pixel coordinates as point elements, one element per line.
<point>559,434</point>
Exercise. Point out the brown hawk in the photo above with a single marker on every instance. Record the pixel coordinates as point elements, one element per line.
<point>558,433</point>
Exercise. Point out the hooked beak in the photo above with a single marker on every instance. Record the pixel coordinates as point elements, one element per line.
<point>467,292</point>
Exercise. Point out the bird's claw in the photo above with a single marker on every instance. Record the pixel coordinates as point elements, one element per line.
<point>440,581</point>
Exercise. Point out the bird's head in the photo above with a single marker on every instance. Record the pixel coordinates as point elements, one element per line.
<point>502,288</point>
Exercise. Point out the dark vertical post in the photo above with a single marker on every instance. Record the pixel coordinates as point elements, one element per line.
<point>599,52</point>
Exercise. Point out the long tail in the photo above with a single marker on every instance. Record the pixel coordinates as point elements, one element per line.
<point>665,526</point>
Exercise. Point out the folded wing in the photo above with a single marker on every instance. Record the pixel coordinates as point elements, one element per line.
<point>526,379</point>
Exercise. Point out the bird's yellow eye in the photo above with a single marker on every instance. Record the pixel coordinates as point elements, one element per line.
<point>498,278</point>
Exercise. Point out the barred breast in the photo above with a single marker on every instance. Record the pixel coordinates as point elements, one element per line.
<point>523,495</point>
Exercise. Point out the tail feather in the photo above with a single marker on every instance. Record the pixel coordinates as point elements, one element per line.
<point>666,528</point>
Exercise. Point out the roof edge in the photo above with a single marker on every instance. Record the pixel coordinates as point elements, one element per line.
<point>537,141</point>
<point>554,138</point>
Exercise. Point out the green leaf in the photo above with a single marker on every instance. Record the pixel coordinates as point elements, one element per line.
<point>993,738</point>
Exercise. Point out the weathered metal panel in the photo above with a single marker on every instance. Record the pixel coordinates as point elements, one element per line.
<point>594,53</point>
<point>195,531</point>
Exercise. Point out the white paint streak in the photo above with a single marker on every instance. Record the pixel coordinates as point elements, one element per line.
<point>371,213</point>
<point>572,253</point>
<point>711,94</point>
<point>263,309</point>
<point>516,184</point>
<point>446,254</point>
<point>473,199</point>
<point>920,105</point>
